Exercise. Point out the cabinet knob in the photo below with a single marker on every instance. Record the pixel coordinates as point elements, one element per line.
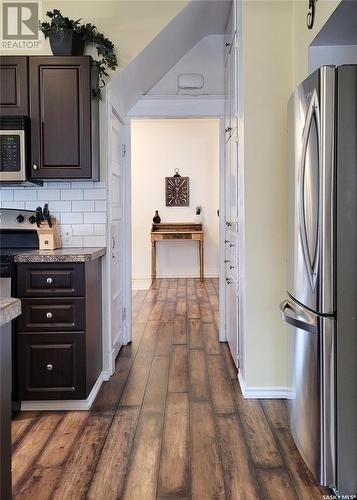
<point>49,315</point>
<point>49,367</point>
<point>227,44</point>
<point>35,167</point>
<point>226,241</point>
<point>226,261</point>
<point>231,245</point>
<point>49,281</point>
<point>229,224</point>
<point>228,281</point>
<point>232,267</point>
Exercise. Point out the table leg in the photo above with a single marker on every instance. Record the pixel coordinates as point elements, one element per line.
<point>153,260</point>
<point>201,252</point>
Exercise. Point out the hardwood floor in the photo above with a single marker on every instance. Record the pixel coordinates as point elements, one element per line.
<point>171,422</point>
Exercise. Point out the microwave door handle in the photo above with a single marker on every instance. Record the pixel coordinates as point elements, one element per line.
<point>296,317</point>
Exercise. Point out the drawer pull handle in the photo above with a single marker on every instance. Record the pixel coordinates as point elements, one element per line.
<point>49,367</point>
<point>49,315</point>
<point>49,281</point>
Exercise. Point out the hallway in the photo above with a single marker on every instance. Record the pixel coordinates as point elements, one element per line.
<point>171,422</point>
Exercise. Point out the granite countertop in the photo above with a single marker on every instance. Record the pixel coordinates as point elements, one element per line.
<point>61,255</point>
<point>9,309</point>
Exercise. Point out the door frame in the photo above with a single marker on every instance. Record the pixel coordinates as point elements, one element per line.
<point>110,355</point>
<point>181,108</point>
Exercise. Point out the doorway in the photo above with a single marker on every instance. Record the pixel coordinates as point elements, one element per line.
<point>159,148</point>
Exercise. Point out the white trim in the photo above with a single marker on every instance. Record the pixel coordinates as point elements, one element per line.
<point>264,392</point>
<point>183,107</point>
<point>127,229</point>
<point>222,233</point>
<point>68,404</point>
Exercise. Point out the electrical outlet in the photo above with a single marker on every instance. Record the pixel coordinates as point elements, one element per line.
<point>66,237</point>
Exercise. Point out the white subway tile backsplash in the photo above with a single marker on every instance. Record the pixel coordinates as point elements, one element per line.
<point>94,241</point>
<point>60,206</point>
<point>14,204</point>
<point>83,206</point>
<point>58,185</point>
<point>48,194</point>
<point>99,229</point>
<point>31,205</point>
<point>100,205</point>
<point>82,184</point>
<point>95,194</point>
<point>95,217</point>
<point>76,241</point>
<point>82,230</point>
<point>72,194</point>
<point>79,206</point>
<point>71,218</point>
<point>25,195</point>
<point>6,194</point>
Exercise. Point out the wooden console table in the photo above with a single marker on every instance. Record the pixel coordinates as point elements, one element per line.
<point>171,231</point>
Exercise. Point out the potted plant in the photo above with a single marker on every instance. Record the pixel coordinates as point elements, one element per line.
<point>69,38</point>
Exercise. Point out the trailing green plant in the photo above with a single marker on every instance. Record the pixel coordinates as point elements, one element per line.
<point>91,36</point>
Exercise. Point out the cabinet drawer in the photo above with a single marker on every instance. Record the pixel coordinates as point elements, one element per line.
<point>52,315</point>
<point>46,280</point>
<point>50,366</point>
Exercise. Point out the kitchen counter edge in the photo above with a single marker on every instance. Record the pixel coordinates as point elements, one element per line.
<point>9,309</point>
<point>60,255</point>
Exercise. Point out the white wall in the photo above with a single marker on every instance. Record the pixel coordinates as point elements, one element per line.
<point>206,58</point>
<point>158,147</point>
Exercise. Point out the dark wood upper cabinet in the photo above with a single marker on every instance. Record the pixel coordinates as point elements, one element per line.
<point>14,85</point>
<point>64,118</point>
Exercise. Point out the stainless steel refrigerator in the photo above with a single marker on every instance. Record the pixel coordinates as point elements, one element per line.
<point>321,304</point>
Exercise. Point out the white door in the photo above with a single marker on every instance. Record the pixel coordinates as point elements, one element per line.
<point>115,209</point>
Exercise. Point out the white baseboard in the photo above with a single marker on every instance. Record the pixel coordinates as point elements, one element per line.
<point>68,404</point>
<point>263,392</point>
<point>144,283</point>
<point>141,283</point>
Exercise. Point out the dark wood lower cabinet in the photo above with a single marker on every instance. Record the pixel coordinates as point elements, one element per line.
<point>58,339</point>
<point>50,366</point>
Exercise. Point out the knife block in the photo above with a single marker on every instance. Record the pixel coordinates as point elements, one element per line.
<point>49,237</point>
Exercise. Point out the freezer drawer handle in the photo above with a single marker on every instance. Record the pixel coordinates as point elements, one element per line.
<point>292,319</point>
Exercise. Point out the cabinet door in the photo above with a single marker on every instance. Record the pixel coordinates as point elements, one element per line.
<point>51,366</point>
<point>60,108</point>
<point>13,85</point>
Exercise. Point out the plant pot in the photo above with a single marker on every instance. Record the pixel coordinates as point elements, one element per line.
<point>67,43</point>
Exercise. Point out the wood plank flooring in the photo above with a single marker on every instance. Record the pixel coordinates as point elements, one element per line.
<point>171,422</point>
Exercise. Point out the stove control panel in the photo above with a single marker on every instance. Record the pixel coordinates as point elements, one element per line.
<point>13,218</point>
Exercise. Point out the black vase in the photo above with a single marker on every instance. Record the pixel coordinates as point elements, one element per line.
<point>66,43</point>
<point>157,218</point>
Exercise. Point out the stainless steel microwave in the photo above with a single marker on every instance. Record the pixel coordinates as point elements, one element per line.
<point>14,148</point>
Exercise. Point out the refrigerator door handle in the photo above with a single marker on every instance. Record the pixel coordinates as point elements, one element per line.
<point>311,260</point>
<point>298,317</point>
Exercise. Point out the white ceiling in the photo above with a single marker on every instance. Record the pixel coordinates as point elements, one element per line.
<point>197,20</point>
